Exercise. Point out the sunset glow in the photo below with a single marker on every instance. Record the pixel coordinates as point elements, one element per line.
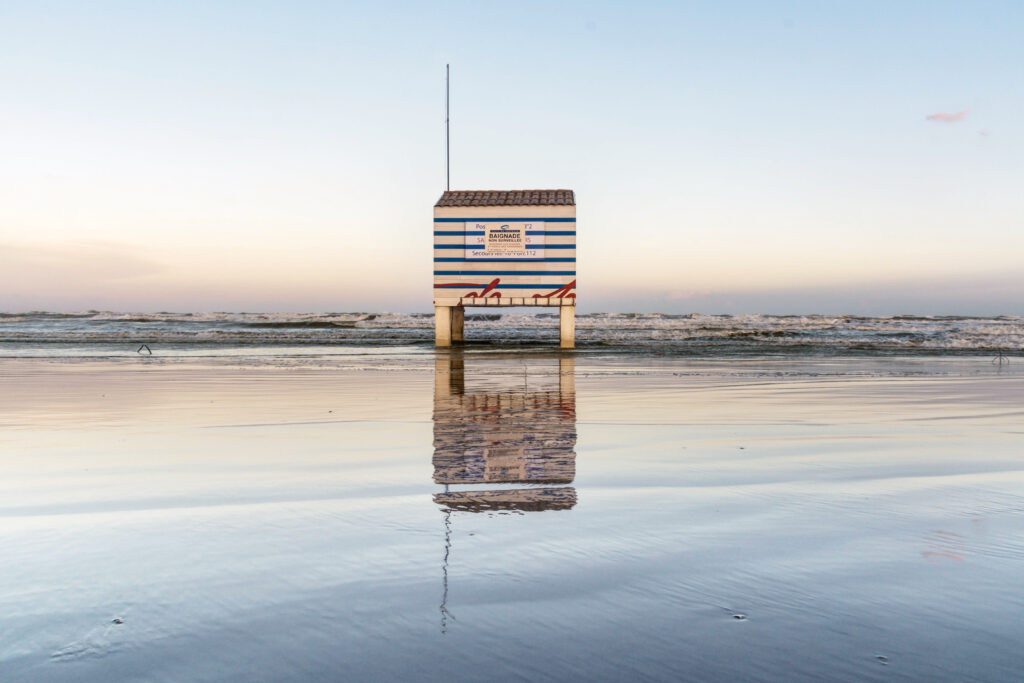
<point>783,158</point>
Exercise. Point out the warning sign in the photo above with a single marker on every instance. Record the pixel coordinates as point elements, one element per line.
<point>505,240</point>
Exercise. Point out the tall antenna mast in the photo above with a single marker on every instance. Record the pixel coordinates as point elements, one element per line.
<point>447,137</point>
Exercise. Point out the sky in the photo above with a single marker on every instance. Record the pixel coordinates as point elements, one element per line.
<point>727,157</point>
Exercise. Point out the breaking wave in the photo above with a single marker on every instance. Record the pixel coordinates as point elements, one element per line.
<point>659,333</point>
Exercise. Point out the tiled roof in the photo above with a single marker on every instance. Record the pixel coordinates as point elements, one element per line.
<point>507,198</point>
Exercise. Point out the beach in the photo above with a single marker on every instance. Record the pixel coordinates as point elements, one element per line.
<point>671,341</point>
<point>392,513</point>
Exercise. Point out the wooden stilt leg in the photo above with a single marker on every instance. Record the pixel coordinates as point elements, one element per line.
<point>458,323</point>
<point>567,327</point>
<point>442,325</point>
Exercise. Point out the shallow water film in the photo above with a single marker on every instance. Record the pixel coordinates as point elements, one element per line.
<point>472,515</point>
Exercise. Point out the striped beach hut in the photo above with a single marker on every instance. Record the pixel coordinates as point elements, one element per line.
<point>504,248</point>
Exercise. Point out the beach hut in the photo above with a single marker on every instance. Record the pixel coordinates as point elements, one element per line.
<point>496,248</point>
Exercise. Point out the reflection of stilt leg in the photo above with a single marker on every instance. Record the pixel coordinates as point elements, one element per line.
<point>457,380</point>
<point>567,377</point>
<point>449,374</point>
<point>442,375</point>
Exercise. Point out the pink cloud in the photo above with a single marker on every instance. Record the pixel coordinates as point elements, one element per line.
<point>943,117</point>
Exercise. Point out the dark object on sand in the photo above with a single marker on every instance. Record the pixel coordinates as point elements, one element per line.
<point>144,346</point>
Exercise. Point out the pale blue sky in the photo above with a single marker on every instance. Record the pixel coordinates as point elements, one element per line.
<point>727,156</point>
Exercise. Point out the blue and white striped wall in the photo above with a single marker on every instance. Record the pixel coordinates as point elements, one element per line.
<point>546,281</point>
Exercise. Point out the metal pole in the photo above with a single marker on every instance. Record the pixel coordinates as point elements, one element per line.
<point>447,138</point>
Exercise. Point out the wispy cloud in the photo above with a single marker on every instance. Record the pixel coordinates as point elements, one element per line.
<point>944,117</point>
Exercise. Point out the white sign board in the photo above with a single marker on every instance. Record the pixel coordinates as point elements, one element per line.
<point>504,240</point>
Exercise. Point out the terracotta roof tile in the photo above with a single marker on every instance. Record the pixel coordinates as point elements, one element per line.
<point>507,198</point>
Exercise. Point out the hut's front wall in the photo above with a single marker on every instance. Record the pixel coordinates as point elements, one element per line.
<point>543,275</point>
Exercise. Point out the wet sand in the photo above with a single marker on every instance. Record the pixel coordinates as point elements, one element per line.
<point>488,516</point>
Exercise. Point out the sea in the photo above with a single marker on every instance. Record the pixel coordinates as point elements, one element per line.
<point>324,496</point>
<point>110,334</point>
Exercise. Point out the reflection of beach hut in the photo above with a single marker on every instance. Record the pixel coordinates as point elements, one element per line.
<point>506,438</point>
<point>510,436</point>
<point>504,248</point>
<point>519,441</point>
<point>524,500</point>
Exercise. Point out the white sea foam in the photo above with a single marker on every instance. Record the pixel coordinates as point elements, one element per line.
<point>57,334</point>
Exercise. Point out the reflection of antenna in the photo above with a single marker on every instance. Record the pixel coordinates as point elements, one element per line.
<point>444,569</point>
<point>447,137</point>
